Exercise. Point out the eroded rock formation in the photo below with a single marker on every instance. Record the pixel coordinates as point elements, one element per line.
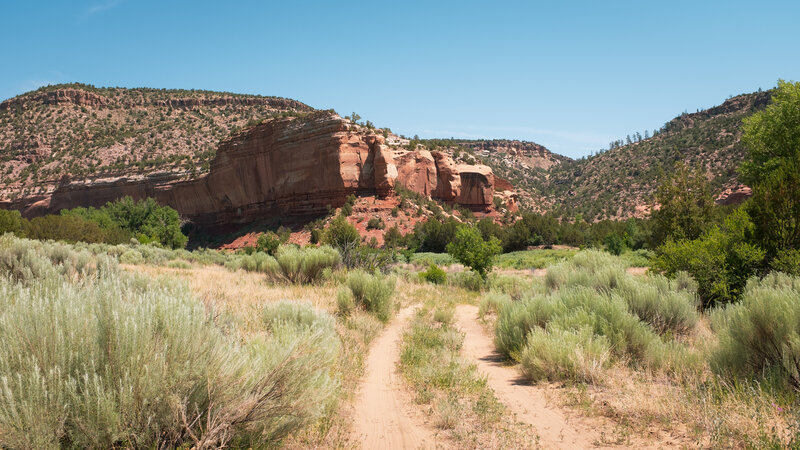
<point>286,166</point>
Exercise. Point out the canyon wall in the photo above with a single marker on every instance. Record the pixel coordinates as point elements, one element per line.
<point>285,166</point>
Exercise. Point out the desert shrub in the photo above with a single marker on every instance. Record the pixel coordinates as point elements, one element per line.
<point>665,305</point>
<point>444,315</point>
<point>493,302</point>
<point>578,355</point>
<point>434,275</point>
<point>268,243</point>
<point>179,264</point>
<point>372,292</point>
<point>662,303</point>
<point>367,258</point>
<point>122,361</point>
<point>131,256</point>
<point>761,333</point>
<point>562,319</point>
<point>468,280</point>
<point>375,223</point>
<point>298,314</point>
<point>345,304</point>
<point>305,265</point>
<point>25,260</point>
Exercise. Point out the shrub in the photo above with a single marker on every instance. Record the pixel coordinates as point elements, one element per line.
<point>587,324</point>
<point>305,265</point>
<point>135,362</point>
<point>344,302</point>
<point>11,221</point>
<point>268,243</point>
<point>434,275</point>
<point>468,280</point>
<point>340,234</point>
<point>721,260</point>
<point>493,302</point>
<point>469,248</point>
<point>577,355</point>
<point>760,334</point>
<point>375,223</point>
<point>146,219</point>
<point>372,292</point>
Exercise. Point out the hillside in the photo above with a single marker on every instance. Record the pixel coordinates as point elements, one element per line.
<point>79,131</point>
<point>620,183</point>
<point>71,133</point>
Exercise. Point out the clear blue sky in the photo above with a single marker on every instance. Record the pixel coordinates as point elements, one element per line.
<point>569,75</point>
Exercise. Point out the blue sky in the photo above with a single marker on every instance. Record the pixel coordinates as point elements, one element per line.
<point>572,76</point>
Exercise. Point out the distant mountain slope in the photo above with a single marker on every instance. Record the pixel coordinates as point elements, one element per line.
<point>620,183</point>
<point>74,132</point>
<point>79,131</point>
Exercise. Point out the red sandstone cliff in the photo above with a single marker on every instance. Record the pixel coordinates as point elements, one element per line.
<point>286,166</point>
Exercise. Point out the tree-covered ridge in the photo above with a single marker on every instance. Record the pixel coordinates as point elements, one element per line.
<point>78,130</point>
<point>612,183</point>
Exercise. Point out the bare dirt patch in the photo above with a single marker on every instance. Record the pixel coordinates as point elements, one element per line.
<point>383,415</point>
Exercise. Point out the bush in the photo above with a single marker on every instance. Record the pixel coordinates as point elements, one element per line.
<point>304,265</point>
<point>469,248</point>
<point>721,260</point>
<point>293,264</point>
<point>145,219</point>
<point>375,223</point>
<point>434,275</point>
<point>340,234</point>
<point>468,280</point>
<point>11,222</point>
<point>595,313</point>
<point>665,305</point>
<point>761,334</point>
<point>577,355</point>
<point>135,362</point>
<point>372,292</point>
<point>268,243</point>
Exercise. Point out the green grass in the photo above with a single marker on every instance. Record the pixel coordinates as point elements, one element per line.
<point>532,259</point>
<point>449,386</point>
<point>425,259</point>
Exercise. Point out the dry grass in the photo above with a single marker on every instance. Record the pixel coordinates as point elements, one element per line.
<point>446,386</point>
<point>241,295</point>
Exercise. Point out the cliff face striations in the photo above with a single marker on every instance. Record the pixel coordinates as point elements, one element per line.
<point>295,165</point>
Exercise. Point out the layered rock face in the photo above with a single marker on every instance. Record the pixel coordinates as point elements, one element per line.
<point>286,166</point>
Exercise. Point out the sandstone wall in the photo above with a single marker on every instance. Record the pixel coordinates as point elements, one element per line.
<point>286,166</point>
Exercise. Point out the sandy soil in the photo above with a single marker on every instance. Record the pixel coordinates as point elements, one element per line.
<point>527,402</point>
<point>384,417</point>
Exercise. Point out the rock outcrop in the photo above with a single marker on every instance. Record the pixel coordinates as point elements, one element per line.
<point>297,165</point>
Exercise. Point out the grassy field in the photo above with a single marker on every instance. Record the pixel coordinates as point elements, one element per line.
<point>253,350</point>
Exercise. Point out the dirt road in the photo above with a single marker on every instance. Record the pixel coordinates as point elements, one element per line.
<point>384,418</point>
<point>527,402</point>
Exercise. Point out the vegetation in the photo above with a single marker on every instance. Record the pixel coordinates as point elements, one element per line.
<point>469,248</point>
<point>92,376</point>
<point>593,313</point>
<point>434,275</point>
<point>759,336</point>
<point>763,233</point>
<point>372,292</point>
